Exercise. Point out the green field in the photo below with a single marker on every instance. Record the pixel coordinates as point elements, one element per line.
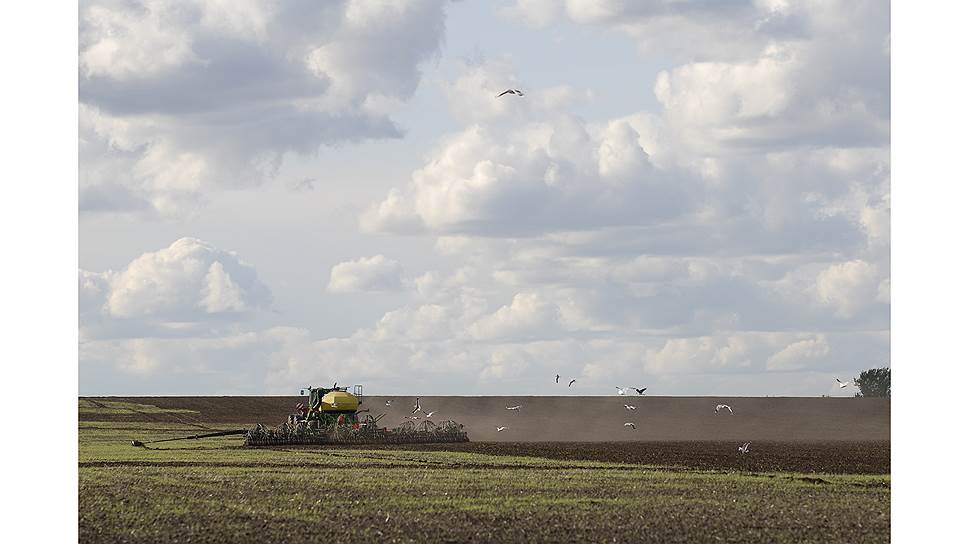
<point>216,491</point>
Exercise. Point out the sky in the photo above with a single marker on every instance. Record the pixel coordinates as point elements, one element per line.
<point>690,196</point>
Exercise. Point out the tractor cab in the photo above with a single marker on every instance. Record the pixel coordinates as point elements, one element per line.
<point>331,404</point>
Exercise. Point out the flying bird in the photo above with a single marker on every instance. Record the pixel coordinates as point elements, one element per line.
<point>843,384</point>
<point>630,424</point>
<point>416,406</point>
<point>629,407</point>
<point>621,390</point>
<point>430,413</point>
<point>571,382</point>
<point>512,92</point>
<point>499,429</point>
<point>557,377</point>
<point>745,448</point>
<point>724,407</point>
<point>515,408</point>
<point>640,391</point>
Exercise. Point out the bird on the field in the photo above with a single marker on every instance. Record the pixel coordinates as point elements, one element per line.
<point>630,424</point>
<point>724,407</point>
<point>411,417</point>
<point>629,407</point>
<point>640,391</point>
<point>430,413</point>
<point>388,402</point>
<point>571,382</point>
<point>745,448</point>
<point>845,384</point>
<point>416,406</point>
<point>557,377</point>
<point>511,92</point>
<point>499,429</point>
<point>515,408</point>
<point>388,519</point>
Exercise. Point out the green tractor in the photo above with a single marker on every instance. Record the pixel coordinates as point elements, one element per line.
<point>330,406</point>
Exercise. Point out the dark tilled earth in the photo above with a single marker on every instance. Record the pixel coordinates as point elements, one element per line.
<point>575,419</point>
<point>853,436</point>
<point>832,457</point>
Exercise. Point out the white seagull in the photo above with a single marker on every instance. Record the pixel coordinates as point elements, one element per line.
<point>430,414</point>
<point>499,429</point>
<point>630,424</point>
<point>388,402</point>
<point>512,92</point>
<point>515,408</point>
<point>629,407</point>
<point>621,390</point>
<point>724,407</point>
<point>745,448</point>
<point>411,417</point>
<point>845,384</point>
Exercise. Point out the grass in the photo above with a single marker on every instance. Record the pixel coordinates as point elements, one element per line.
<point>106,407</point>
<point>214,490</point>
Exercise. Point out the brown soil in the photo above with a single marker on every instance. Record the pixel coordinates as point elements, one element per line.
<point>832,457</point>
<point>576,419</point>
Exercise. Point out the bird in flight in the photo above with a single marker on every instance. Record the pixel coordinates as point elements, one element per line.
<point>557,377</point>
<point>845,384</point>
<point>499,429</point>
<point>416,406</point>
<point>430,413</point>
<point>571,382</point>
<point>512,92</point>
<point>640,391</point>
<point>515,408</point>
<point>629,407</point>
<point>745,448</point>
<point>724,407</point>
<point>621,390</point>
<point>630,424</point>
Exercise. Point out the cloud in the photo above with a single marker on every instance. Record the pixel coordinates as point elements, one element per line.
<point>757,74</point>
<point>472,96</point>
<point>800,354</point>
<point>528,316</point>
<point>181,97</point>
<point>372,274</point>
<point>554,175</point>
<point>189,282</point>
<point>849,287</point>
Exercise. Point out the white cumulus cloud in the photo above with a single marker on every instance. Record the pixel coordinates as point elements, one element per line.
<point>180,97</point>
<point>366,274</point>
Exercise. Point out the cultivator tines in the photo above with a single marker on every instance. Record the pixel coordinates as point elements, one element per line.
<point>364,432</point>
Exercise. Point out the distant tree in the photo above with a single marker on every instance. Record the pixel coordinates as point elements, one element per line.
<point>875,382</point>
